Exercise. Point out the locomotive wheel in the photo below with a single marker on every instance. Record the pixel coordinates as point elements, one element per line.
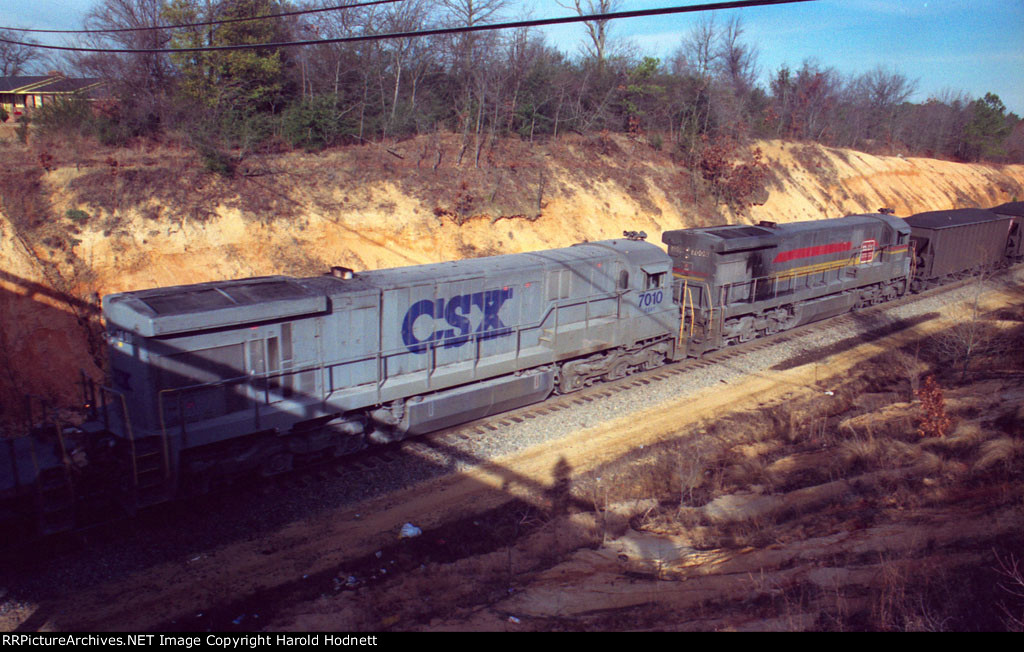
<point>570,380</point>
<point>654,359</point>
<point>570,383</point>
<point>774,321</point>
<point>349,445</point>
<point>792,318</point>
<point>619,370</point>
<point>748,333</point>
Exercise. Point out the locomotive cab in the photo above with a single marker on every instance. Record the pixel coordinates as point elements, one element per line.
<point>189,364</point>
<point>721,256</point>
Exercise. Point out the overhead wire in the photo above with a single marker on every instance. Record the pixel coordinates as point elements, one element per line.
<point>222,21</point>
<point>540,22</point>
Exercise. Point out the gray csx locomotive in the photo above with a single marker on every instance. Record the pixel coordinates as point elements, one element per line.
<point>277,367</point>
<point>218,379</point>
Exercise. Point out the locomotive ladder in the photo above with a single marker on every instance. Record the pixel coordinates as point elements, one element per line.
<point>149,479</point>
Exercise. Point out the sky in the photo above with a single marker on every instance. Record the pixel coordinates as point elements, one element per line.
<point>975,46</point>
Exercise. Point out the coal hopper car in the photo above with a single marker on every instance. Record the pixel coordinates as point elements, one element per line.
<point>949,244</point>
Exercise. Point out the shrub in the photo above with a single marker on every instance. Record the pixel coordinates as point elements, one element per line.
<point>934,423</point>
<point>22,128</point>
<point>244,129</point>
<point>64,115</point>
<point>216,161</point>
<point>112,133</point>
<point>76,215</point>
<point>737,184</point>
<point>314,124</point>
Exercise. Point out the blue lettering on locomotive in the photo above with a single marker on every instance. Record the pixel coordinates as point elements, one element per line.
<point>455,313</point>
<point>648,300</point>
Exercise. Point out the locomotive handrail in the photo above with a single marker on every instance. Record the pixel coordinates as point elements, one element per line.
<point>553,307</point>
<point>46,407</point>
<point>682,311</point>
<point>785,275</point>
<point>237,380</point>
<point>89,394</point>
<point>711,314</point>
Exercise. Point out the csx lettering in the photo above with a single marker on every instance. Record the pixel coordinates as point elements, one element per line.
<point>455,313</point>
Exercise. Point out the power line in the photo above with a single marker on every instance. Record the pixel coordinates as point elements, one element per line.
<point>637,13</point>
<point>211,22</point>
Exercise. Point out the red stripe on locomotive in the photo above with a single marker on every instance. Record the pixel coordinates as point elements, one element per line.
<point>687,270</point>
<point>811,252</point>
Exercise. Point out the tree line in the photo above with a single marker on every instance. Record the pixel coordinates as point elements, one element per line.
<point>703,99</point>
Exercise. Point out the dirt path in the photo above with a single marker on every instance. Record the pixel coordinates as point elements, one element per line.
<point>271,567</point>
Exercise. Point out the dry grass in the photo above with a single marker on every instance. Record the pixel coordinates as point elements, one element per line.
<point>775,467</point>
<point>1005,451</point>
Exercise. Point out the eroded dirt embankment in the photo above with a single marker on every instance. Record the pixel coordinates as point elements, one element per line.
<point>76,224</point>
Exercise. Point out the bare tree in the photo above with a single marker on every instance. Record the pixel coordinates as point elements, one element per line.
<point>597,30</point>
<point>15,59</point>
<point>140,81</point>
<point>405,56</point>
<point>698,49</point>
<point>701,55</point>
<point>473,65</point>
<point>806,101</point>
<point>886,91</point>
<point>1011,572</point>
<point>971,336</point>
<point>736,78</point>
<point>737,61</point>
<point>343,69</point>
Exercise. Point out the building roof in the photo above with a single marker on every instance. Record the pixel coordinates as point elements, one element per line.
<point>13,84</point>
<point>47,84</point>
